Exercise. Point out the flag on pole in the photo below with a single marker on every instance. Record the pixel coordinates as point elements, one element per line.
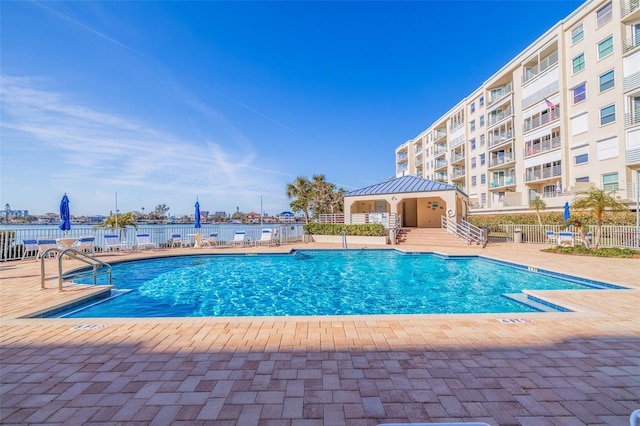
<point>550,104</point>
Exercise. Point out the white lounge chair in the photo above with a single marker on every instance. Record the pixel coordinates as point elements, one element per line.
<point>551,237</point>
<point>177,240</point>
<point>210,241</point>
<point>29,246</point>
<point>565,239</point>
<point>85,245</point>
<point>265,238</point>
<point>144,241</point>
<point>113,243</point>
<point>45,244</point>
<point>238,239</point>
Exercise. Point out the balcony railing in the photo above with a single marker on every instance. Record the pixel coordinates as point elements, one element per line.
<point>457,141</point>
<point>440,164</point>
<point>631,118</point>
<point>629,6</point>
<point>633,156</point>
<point>631,43</point>
<point>502,159</point>
<point>401,157</point>
<point>497,117</point>
<point>457,156</point>
<point>500,138</point>
<point>544,146</point>
<point>545,92</point>
<point>542,173</point>
<point>506,181</point>
<point>440,133</point>
<point>532,72</point>
<point>455,125</point>
<point>440,149</point>
<point>541,120</point>
<point>632,81</point>
<point>458,173</point>
<point>496,96</point>
<point>419,160</point>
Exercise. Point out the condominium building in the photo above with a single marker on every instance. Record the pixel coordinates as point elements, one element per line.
<point>562,116</point>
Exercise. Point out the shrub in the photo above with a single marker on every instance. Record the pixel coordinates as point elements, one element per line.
<point>366,230</point>
<point>600,252</point>
<point>626,218</point>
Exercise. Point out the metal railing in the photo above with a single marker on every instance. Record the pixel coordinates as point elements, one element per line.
<point>497,95</point>
<point>628,7</point>
<point>98,267</point>
<point>543,146</point>
<point>541,173</point>
<point>504,159</point>
<point>540,120</point>
<point>496,139</point>
<point>547,62</point>
<point>464,231</point>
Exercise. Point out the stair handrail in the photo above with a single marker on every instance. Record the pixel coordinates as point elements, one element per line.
<point>98,267</point>
<point>464,231</point>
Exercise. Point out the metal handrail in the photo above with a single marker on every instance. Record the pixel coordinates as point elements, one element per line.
<point>97,266</point>
<point>464,231</point>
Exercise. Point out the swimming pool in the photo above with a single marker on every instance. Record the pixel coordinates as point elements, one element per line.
<point>320,282</point>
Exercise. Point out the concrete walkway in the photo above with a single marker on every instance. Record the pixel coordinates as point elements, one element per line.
<point>572,368</point>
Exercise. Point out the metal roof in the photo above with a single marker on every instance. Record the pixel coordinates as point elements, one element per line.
<point>403,184</point>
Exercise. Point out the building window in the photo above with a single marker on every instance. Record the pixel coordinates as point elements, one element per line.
<point>473,181</point>
<point>606,81</point>
<point>604,14</point>
<point>482,159</point>
<point>481,102</point>
<point>579,93</point>
<point>472,125</point>
<point>483,179</point>
<point>581,159</point>
<point>482,121</point>
<point>473,107</point>
<point>472,142</point>
<point>582,179</point>
<point>578,63</point>
<point>481,140</point>
<point>607,114</point>
<point>605,47</point>
<point>473,163</point>
<point>577,33</point>
<point>610,182</point>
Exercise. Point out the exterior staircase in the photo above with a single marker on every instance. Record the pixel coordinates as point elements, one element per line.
<point>427,237</point>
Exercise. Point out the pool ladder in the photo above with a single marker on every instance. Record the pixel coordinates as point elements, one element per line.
<point>344,241</point>
<point>98,267</point>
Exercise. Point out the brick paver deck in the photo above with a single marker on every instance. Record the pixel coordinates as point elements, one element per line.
<point>544,369</point>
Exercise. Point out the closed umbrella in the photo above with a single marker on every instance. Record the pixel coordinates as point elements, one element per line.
<point>65,217</point>
<point>566,211</point>
<point>197,216</point>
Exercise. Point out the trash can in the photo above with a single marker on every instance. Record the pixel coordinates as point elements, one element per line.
<point>517,235</point>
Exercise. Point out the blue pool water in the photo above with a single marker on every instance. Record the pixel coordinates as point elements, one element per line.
<point>360,282</point>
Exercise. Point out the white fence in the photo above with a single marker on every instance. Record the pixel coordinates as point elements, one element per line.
<point>11,240</point>
<point>612,236</point>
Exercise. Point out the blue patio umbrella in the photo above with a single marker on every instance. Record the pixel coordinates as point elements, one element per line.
<point>197,215</point>
<point>65,216</point>
<point>566,211</point>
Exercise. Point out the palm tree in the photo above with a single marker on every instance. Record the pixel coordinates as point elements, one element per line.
<point>597,202</point>
<point>119,223</point>
<point>301,189</point>
<point>538,204</point>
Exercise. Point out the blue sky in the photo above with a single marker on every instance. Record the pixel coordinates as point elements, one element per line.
<point>227,102</point>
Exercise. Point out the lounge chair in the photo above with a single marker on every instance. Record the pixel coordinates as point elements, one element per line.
<point>29,246</point>
<point>85,245</point>
<point>210,241</point>
<point>144,241</point>
<point>177,240</point>
<point>551,237</point>
<point>238,239</point>
<point>112,243</point>
<point>265,238</point>
<point>565,239</point>
<point>45,244</point>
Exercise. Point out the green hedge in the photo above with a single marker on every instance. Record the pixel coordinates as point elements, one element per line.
<point>626,218</point>
<point>366,230</point>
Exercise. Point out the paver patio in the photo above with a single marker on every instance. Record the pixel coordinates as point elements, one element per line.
<point>572,368</point>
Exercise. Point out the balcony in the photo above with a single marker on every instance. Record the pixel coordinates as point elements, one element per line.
<point>495,118</point>
<point>631,43</point>
<point>542,173</point>
<point>531,149</point>
<point>632,81</point>
<point>503,182</point>
<point>498,95</point>
<point>401,157</point>
<point>545,92</point>
<point>419,160</point>
<point>547,62</point>
<point>502,160</point>
<point>441,177</point>
<point>633,156</point>
<point>440,149</point>
<point>500,138</point>
<point>541,120</point>
<point>632,118</point>
<point>401,168</point>
<point>629,7</point>
<point>439,134</point>
<point>457,157</point>
<point>458,173</point>
<point>440,164</point>
<point>455,125</point>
